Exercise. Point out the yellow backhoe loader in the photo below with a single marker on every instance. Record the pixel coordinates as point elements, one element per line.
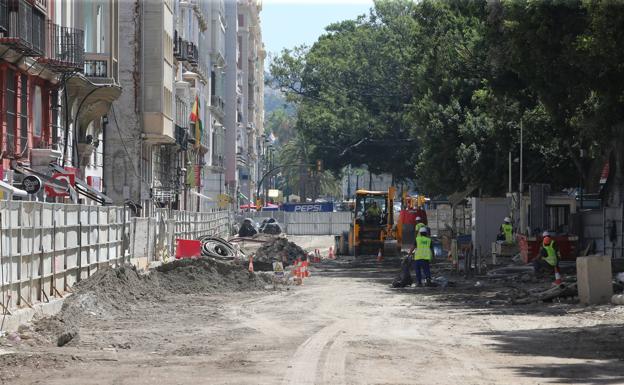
<point>374,225</point>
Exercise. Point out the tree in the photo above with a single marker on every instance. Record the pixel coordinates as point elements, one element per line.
<point>438,90</point>
<point>566,53</point>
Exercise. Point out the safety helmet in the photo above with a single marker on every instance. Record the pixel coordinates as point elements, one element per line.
<point>423,230</point>
<point>507,220</point>
<point>546,234</point>
<point>418,218</point>
<point>547,241</point>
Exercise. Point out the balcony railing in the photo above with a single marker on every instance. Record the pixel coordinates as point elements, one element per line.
<point>179,47</point>
<point>4,16</point>
<point>96,68</point>
<point>21,27</point>
<point>64,48</point>
<point>192,54</point>
<point>217,103</point>
<point>217,160</point>
<point>182,137</point>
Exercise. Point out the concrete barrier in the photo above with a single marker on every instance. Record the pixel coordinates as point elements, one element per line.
<point>594,279</point>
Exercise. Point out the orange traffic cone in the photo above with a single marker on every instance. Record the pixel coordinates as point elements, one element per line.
<point>304,268</point>
<point>379,256</point>
<point>251,269</point>
<point>557,276</point>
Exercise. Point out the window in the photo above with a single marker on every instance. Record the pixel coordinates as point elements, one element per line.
<point>38,31</point>
<point>95,26</point>
<point>23,112</point>
<point>11,107</point>
<point>54,116</point>
<point>167,94</point>
<point>213,81</point>
<point>37,113</point>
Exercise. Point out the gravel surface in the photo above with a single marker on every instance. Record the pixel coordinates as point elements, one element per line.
<point>345,325</point>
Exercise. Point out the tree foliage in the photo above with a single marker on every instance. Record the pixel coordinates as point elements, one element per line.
<point>436,91</point>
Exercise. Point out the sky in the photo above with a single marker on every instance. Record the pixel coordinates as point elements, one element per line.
<point>288,23</point>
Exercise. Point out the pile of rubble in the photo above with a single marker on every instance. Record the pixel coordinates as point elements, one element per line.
<point>279,249</point>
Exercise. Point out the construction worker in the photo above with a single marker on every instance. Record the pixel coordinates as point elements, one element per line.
<point>373,211</point>
<point>423,254</point>
<point>506,230</point>
<point>548,258</point>
<point>419,225</point>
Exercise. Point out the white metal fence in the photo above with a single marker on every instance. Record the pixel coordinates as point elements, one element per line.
<point>441,219</point>
<point>45,248</point>
<point>334,223</point>
<point>310,223</point>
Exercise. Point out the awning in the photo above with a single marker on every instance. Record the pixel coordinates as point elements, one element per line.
<point>12,189</point>
<point>83,188</point>
<point>96,99</point>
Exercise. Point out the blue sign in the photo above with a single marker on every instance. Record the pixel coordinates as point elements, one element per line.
<point>308,207</point>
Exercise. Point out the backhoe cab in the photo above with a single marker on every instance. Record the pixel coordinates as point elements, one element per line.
<point>373,227</point>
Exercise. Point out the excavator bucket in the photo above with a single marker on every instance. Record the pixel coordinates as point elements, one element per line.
<point>391,248</point>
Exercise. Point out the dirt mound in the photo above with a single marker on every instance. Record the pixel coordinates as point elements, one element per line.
<point>279,249</point>
<point>113,292</point>
<point>108,293</point>
<point>205,275</point>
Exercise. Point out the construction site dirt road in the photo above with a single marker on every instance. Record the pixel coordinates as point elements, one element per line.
<point>345,325</point>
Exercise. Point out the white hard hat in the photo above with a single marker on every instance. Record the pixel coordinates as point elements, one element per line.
<point>423,230</point>
<point>418,218</point>
<point>507,219</point>
<point>546,234</point>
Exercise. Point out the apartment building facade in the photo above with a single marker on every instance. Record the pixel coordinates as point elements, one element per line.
<point>170,115</point>
<point>54,103</point>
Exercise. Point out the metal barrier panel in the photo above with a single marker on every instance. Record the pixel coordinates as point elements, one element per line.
<point>45,248</point>
<point>308,223</point>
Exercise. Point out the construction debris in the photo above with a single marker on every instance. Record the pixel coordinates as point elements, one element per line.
<point>280,250</point>
<point>558,291</point>
<point>270,226</point>
<point>247,228</point>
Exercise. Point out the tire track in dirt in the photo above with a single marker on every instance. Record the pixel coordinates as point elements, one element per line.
<point>333,371</point>
<point>304,365</point>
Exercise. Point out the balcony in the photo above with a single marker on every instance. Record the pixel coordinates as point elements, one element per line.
<point>217,160</point>
<point>192,54</point>
<point>64,48</point>
<point>179,47</point>
<point>96,68</point>
<point>218,105</point>
<point>182,137</point>
<point>22,28</point>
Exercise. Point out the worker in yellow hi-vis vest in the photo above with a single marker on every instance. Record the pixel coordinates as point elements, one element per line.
<point>507,230</point>
<point>423,255</point>
<point>548,258</point>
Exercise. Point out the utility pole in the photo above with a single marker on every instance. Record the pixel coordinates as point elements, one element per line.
<point>509,188</point>
<point>521,187</point>
<point>349,182</point>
